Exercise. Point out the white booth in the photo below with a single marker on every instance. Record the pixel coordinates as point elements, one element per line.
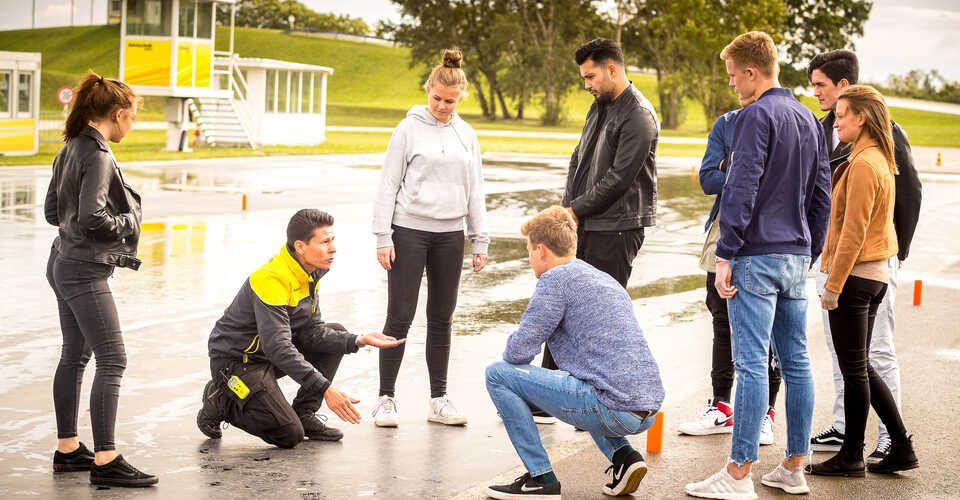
<point>19,102</point>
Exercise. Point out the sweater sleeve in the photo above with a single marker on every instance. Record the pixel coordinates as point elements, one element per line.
<point>476,204</point>
<point>861,195</point>
<point>391,176</point>
<point>539,321</point>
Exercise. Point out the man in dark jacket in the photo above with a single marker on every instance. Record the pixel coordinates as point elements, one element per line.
<point>830,73</point>
<point>612,183</point>
<point>274,328</point>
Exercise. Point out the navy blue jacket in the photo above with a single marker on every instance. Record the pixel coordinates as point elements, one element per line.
<point>777,195</point>
<point>713,168</point>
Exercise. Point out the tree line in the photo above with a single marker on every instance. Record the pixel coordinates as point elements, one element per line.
<point>919,84</point>
<point>275,14</point>
<point>521,51</point>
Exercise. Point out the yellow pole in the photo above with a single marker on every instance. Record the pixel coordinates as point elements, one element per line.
<point>939,163</point>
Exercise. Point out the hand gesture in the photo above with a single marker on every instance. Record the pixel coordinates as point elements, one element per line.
<point>386,257</point>
<point>342,404</point>
<point>380,340</point>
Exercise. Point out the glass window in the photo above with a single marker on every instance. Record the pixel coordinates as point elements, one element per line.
<point>187,17</point>
<point>24,92</point>
<point>4,92</point>
<point>149,17</point>
<point>317,92</point>
<point>295,100</point>
<point>282,87</point>
<point>271,91</point>
<point>205,21</point>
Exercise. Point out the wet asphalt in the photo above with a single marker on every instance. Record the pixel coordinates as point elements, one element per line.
<point>198,246</point>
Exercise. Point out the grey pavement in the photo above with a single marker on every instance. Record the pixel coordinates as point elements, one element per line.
<point>198,247</point>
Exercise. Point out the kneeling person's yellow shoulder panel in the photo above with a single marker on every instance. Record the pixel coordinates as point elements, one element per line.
<point>276,289</point>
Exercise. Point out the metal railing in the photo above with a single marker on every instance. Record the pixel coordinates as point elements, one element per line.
<point>237,84</point>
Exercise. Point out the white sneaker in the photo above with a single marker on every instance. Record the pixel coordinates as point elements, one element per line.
<point>442,411</point>
<point>792,482</point>
<point>722,485</point>
<point>715,419</point>
<point>766,431</point>
<point>385,414</point>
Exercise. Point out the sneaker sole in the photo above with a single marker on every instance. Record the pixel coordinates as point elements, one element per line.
<point>727,429</point>
<point>70,467</point>
<point>793,490</point>
<point>500,495</point>
<point>825,447</point>
<point>857,473</point>
<point>635,473</point>
<point>764,442</point>
<point>898,469</point>
<point>545,420</point>
<point>391,423</point>
<point>449,421</point>
<point>722,496</point>
<point>125,483</point>
<point>873,460</point>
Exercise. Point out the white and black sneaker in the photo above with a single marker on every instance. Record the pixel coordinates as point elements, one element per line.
<point>626,475</point>
<point>525,488</point>
<point>883,448</point>
<point>829,439</point>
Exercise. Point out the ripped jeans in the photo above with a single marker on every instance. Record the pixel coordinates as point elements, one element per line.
<point>514,387</point>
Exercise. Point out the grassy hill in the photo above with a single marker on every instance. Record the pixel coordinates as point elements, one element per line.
<point>373,85</point>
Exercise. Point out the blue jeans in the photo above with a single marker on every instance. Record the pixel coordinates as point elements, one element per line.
<point>771,302</point>
<point>514,387</point>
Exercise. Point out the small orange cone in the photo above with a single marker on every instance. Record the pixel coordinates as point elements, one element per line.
<point>917,292</point>
<point>244,202</point>
<point>655,435</point>
<point>939,163</point>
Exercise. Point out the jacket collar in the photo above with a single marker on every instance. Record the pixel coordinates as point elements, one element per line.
<point>96,136</point>
<point>861,145</point>
<point>297,269</point>
<point>776,91</point>
<point>621,98</point>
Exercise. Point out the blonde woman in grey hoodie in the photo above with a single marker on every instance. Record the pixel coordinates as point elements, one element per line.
<point>431,188</point>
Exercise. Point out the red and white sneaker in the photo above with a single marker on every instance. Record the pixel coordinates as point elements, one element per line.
<point>715,419</point>
<point>766,431</point>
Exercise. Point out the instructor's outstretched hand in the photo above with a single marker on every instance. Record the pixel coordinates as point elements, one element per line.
<point>342,404</point>
<point>380,340</point>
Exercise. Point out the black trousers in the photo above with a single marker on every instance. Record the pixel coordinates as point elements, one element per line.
<point>721,373</point>
<point>851,325</point>
<point>265,412</point>
<point>609,251</point>
<point>89,324</point>
<point>441,255</point>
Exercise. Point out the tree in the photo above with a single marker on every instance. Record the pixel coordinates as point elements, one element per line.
<point>815,26</point>
<point>274,14</point>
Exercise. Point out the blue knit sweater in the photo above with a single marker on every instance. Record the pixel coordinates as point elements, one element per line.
<point>587,320</point>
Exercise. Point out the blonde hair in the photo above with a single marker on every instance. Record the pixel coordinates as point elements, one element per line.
<point>448,73</point>
<point>754,48</point>
<point>554,228</point>
<point>865,101</point>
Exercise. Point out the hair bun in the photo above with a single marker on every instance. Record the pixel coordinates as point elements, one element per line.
<point>452,58</point>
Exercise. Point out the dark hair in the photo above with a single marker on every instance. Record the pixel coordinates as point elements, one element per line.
<point>96,98</point>
<point>599,50</point>
<point>837,65</point>
<point>304,223</point>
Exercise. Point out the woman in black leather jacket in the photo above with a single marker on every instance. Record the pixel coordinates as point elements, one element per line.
<point>98,216</point>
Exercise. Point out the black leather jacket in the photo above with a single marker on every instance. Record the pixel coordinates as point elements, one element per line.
<point>97,212</point>
<point>906,205</point>
<point>612,182</point>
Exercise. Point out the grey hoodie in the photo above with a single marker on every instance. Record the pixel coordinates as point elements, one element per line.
<point>431,180</point>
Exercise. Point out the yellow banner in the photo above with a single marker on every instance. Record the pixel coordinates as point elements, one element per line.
<point>204,53</point>
<point>184,64</point>
<point>16,136</point>
<point>147,62</point>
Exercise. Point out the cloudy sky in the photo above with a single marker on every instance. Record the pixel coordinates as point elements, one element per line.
<point>901,34</point>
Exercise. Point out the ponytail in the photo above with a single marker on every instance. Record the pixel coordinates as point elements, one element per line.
<point>97,97</point>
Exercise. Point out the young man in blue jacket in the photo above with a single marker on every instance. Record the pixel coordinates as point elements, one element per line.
<point>607,382</point>
<point>773,220</point>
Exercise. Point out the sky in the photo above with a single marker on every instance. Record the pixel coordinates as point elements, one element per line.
<point>899,36</point>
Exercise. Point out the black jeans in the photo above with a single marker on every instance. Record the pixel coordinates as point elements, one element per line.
<point>609,251</point>
<point>441,254</point>
<point>851,324</point>
<point>721,373</point>
<point>89,323</point>
<point>265,413</point>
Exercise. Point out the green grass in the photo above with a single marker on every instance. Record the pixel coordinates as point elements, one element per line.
<point>374,85</point>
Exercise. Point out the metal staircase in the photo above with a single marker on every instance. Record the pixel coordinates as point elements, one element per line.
<point>225,121</point>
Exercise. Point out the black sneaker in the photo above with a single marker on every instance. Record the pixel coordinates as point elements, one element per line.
<point>523,488</point>
<point>626,475</point>
<point>829,439</point>
<point>120,473</point>
<point>900,457</point>
<point>883,447</point>
<point>315,427</point>
<point>77,460</point>
<point>209,417</point>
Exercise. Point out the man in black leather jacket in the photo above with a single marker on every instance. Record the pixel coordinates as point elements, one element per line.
<point>612,183</point>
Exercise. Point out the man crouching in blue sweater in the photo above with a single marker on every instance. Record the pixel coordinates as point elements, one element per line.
<point>607,383</point>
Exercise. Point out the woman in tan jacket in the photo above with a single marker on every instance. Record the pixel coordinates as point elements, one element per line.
<point>860,239</point>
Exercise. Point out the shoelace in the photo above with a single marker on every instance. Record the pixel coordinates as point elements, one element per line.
<point>445,408</point>
<point>827,431</point>
<point>388,405</point>
<point>883,446</point>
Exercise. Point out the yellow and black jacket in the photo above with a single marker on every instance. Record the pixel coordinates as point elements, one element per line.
<point>274,317</point>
